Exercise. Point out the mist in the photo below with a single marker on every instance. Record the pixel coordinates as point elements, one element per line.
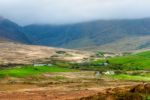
<point>26,12</point>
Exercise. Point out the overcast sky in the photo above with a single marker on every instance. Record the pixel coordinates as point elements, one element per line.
<point>71,11</point>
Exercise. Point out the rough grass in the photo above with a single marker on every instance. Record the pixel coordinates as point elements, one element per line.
<point>130,77</point>
<point>31,70</point>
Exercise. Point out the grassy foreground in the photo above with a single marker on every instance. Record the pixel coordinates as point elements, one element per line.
<point>31,70</point>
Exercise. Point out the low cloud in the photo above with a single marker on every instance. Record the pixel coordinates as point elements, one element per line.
<point>71,11</point>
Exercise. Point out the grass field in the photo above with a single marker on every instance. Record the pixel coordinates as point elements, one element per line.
<point>30,71</point>
<point>139,61</point>
<point>132,62</point>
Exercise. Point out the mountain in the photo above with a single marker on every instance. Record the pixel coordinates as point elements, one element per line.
<point>94,34</point>
<point>105,35</point>
<point>10,31</point>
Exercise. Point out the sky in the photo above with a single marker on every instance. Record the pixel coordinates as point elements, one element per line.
<point>26,12</point>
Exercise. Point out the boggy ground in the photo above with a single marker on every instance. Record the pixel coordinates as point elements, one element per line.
<point>71,86</point>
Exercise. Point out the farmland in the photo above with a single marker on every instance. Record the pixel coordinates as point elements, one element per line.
<point>65,80</point>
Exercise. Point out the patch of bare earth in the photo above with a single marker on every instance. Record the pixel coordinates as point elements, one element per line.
<point>73,86</point>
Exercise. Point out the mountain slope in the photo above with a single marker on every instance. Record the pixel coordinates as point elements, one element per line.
<point>88,34</point>
<point>124,44</point>
<point>110,35</point>
<point>16,53</point>
<point>10,31</point>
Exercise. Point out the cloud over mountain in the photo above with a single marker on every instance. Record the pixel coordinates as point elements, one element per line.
<point>71,11</point>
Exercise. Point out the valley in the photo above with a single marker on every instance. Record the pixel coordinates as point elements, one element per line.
<point>74,50</point>
<point>84,61</point>
<point>94,76</point>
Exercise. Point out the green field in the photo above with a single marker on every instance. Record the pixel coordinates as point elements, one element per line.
<point>134,63</point>
<point>24,71</point>
<point>139,61</point>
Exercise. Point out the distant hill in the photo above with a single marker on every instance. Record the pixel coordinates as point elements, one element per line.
<point>105,35</point>
<point>10,31</point>
<point>91,35</point>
